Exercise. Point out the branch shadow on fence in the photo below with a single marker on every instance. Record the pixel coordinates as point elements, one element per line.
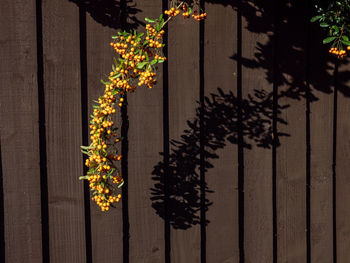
<point>220,110</point>
<point>220,119</point>
<point>109,12</point>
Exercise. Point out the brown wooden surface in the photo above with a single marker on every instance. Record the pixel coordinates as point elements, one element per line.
<point>19,132</point>
<point>222,231</point>
<point>183,97</point>
<point>106,228</point>
<point>145,109</point>
<point>342,165</point>
<point>63,131</point>
<point>267,62</point>
<point>291,154</point>
<point>258,231</point>
<point>321,127</point>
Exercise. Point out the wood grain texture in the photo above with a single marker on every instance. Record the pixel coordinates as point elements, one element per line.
<point>145,109</point>
<point>106,227</point>
<point>20,138</point>
<point>291,154</point>
<point>220,124</point>
<point>342,163</point>
<point>183,101</point>
<point>321,134</point>
<point>64,131</point>
<point>19,132</point>
<point>257,108</point>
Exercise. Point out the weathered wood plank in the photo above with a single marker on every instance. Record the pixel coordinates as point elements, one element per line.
<point>106,227</point>
<point>321,134</point>
<point>64,131</point>
<point>19,131</point>
<point>145,109</point>
<point>184,183</point>
<point>291,154</point>
<point>220,122</point>
<point>257,90</point>
<point>342,163</point>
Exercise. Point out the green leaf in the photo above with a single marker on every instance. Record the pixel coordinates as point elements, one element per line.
<point>105,83</point>
<point>315,18</point>
<point>83,177</point>
<point>141,65</point>
<point>85,152</point>
<point>328,40</point>
<point>87,147</point>
<point>336,29</point>
<point>121,184</point>
<point>154,61</point>
<point>189,10</point>
<point>345,38</point>
<point>148,20</point>
<point>116,75</point>
<point>111,171</point>
<point>345,42</point>
<point>324,24</point>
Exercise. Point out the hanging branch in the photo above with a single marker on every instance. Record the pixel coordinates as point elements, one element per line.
<point>136,66</point>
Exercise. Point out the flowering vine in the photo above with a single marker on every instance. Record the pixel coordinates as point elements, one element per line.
<point>136,66</point>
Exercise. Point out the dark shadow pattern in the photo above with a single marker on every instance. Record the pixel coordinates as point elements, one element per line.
<point>291,47</point>
<point>221,110</point>
<point>220,115</point>
<point>109,12</point>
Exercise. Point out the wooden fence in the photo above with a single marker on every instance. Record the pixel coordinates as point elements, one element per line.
<point>240,154</point>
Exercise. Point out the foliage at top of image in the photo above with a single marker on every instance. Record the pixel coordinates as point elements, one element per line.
<point>335,18</point>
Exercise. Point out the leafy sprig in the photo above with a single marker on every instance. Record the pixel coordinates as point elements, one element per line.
<point>335,19</point>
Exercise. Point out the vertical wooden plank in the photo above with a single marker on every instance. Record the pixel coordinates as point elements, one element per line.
<point>19,132</point>
<point>291,154</point>
<point>64,134</point>
<point>145,142</point>
<point>321,134</point>
<point>257,90</point>
<point>184,186</point>
<point>220,119</point>
<point>106,227</point>
<point>342,163</point>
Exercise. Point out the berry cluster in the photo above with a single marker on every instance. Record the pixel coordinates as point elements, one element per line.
<point>199,17</point>
<point>172,12</point>
<point>136,66</point>
<point>187,11</point>
<point>102,169</point>
<point>340,53</point>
